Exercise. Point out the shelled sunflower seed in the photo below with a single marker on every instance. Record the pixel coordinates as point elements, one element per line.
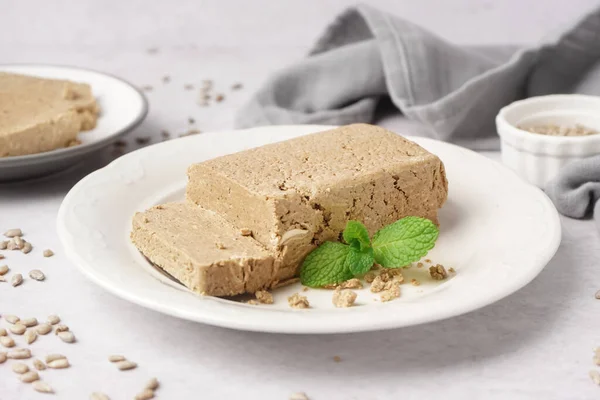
<point>3,269</point>
<point>39,364</point>
<point>53,357</point>
<point>61,363</point>
<point>67,337</point>
<point>30,376</point>
<point>7,341</point>
<point>20,368</point>
<point>43,329</point>
<point>29,322</point>
<point>18,328</point>
<point>126,365</point>
<point>11,233</point>
<point>27,247</point>
<point>37,275</point>
<point>145,394</point>
<point>11,319</point>
<point>116,358</point>
<point>16,280</point>
<point>3,357</point>
<point>48,253</point>
<point>53,319</point>
<point>42,387</point>
<point>19,354</point>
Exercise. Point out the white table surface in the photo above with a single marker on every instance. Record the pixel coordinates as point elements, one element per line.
<point>536,344</point>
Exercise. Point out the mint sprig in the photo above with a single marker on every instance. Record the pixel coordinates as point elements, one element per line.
<point>395,245</point>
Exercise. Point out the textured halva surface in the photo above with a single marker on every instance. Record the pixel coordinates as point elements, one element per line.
<point>296,194</point>
<point>202,250</point>
<point>38,115</point>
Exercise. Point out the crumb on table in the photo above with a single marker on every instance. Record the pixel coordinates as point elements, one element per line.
<point>298,301</point>
<point>343,298</point>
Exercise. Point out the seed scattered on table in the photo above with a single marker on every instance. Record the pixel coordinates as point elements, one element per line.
<point>67,337</point>
<point>116,358</point>
<point>30,376</point>
<point>43,329</point>
<point>11,233</point>
<point>39,364</point>
<point>18,242</point>
<point>2,257</point>
<point>3,269</point>
<point>3,357</point>
<point>3,244</point>
<point>595,375</point>
<point>17,329</point>
<point>42,387</point>
<point>52,357</point>
<point>20,368</point>
<point>27,247</point>
<point>299,396</point>
<point>152,384</point>
<point>142,140</point>
<point>16,280</point>
<point>99,396</point>
<point>11,319</point>
<point>30,336</point>
<point>19,354</point>
<point>48,253</point>
<point>53,319</point>
<point>145,394</point>
<point>61,363</point>
<point>7,341</point>
<point>61,328</point>
<point>126,365</point>
<point>3,332</point>
<point>37,275</point>
<point>29,322</point>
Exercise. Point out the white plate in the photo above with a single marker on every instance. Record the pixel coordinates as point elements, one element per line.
<point>122,106</point>
<point>497,231</point>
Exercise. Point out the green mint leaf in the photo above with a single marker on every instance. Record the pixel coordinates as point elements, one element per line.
<point>404,241</point>
<point>357,261</point>
<point>357,231</point>
<point>326,264</point>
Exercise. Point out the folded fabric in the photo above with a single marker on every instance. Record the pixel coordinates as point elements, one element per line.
<point>456,91</point>
<point>576,190</point>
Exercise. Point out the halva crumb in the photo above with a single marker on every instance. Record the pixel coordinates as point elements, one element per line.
<point>298,301</point>
<point>264,297</point>
<point>438,272</point>
<point>343,298</point>
<point>353,283</point>
<point>392,293</point>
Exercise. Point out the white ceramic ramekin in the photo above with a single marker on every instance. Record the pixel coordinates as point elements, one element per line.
<point>538,158</point>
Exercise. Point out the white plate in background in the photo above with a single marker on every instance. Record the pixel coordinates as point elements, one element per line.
<point>497,231</point>
<point>122,108</point>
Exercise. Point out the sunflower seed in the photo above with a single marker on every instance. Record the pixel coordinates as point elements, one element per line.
<point>43,329</point>
<point>52,357</point>
<point>61,328</point>
<point>19,354</point>
<point>152,384</point>
<point>99,396</point>
<point>20,368</point>
<point>13,232</point>
<point>29,322</point>
<point>59,364</point>
<point>2,278</point>
<point>298,396</point>
<point>67,337</point>
<point>17,329</point>
<point>3,244</point>
<point>125,365</point>
<point>145,394</point>
<point>30,336</point>
<point>2,357</point>
<point>53,319</point>
<point>39,364</point>
<point>27,248</point>
<point>37,275</point>
<point>7,341</point>
<point>18,243</point>
<point>16,280</point>
<point>3,269</point>
<point>42,387</point>
<point>30,376</point>
<point>11,319</point>
<point>48,253</point>
<point>3,332</point>
<point>116,358</point>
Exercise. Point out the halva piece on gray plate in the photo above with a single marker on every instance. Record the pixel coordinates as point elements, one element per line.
<point>296,194</point>
<point>40,115</point>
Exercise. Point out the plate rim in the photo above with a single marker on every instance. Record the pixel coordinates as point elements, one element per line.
<point>553,245</point>
<point>66,152</point>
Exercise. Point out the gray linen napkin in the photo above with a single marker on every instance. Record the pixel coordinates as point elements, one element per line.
<point>456,91</point>
<point>576,190</point>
